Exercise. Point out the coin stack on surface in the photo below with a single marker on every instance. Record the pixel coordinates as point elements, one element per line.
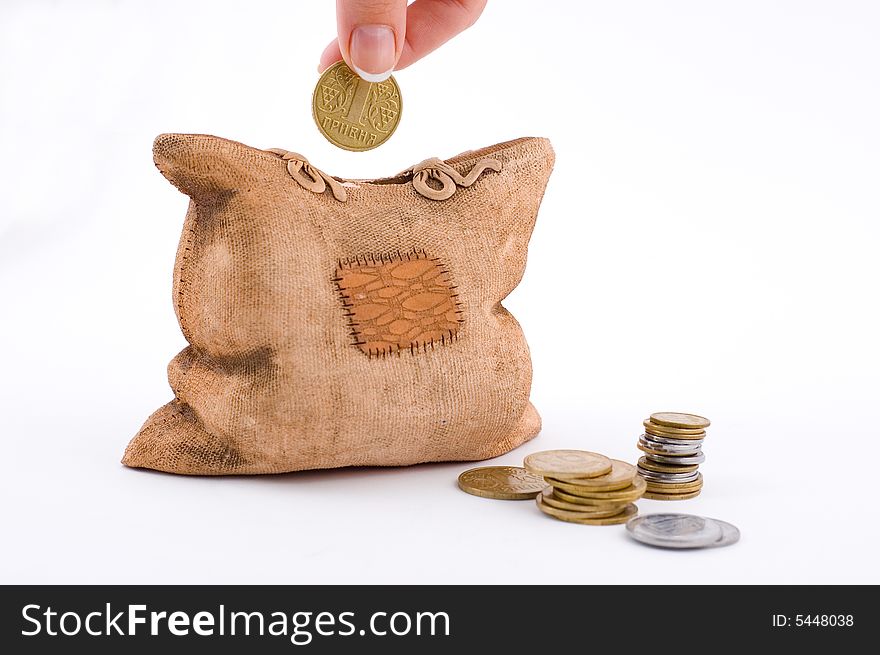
<point>673,447</point>
<point>586,488</point>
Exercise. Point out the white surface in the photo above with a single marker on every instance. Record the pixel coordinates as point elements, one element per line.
<point>707,243</point>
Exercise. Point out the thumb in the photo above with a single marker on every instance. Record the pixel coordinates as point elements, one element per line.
<point>371,35</point>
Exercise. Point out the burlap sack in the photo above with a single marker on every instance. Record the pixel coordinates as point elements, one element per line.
<point>337,323</point>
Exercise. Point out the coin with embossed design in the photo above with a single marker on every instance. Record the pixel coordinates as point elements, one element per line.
<point>679,432</point>
<point>655,447</point>
<point>655,495</point>
<point>567,463</point>
<point>645,463</point>
<point>680,420</point>
<point>550,498</point>
<point>656,431</point>
<point>501,483</point>
<point>603,503</point>
<point>620,476</point>
<point>582,512</point>
<point>627,494</point>
<point>666,486</point>
<point>676,459</point>
<point>682,531</point>
<point>674,442</point>
<point>622,516</point>
<point>352,113</point>
<point>674,478</point>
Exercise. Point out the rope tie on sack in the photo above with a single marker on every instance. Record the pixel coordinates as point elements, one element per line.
<point>309,177</point>
<point>438,170</point>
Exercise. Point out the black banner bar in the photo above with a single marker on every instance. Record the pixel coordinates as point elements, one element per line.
<point>436,619</point>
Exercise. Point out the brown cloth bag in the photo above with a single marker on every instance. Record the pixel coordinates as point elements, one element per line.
<point>345,323</point>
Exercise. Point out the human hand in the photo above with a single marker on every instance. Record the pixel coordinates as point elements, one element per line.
<point>376,37</point>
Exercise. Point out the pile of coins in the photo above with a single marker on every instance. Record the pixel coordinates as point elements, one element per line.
<point>585,487</point>
<point>673,447</point>
<point>682,531</point>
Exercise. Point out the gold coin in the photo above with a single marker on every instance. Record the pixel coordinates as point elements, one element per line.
<point>667,434</point>
<point>675,487</point>
<point>664,434</point>
<point>653,495</point>
<point>567,463</point>
<point>649,465</point>
<point>592,502</point>
<point>680,421</point>
<point>621,476</point>
<point>501,483</point>
<point>628,494</point>
<point>671,433</point>
<point>648,423</point>
<point>352,113</point>
<point>559,513</point>
<point>549,498</point>
<point>621,517</point>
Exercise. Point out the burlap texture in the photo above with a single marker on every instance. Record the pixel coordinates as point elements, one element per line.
<point>274,379</point>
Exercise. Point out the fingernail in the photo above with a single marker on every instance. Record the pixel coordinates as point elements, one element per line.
<point>372,52</point>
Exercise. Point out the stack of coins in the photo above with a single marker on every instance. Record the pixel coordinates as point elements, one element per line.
<point>682,531</point>
<point>673,447</point>
<point>585,487</point>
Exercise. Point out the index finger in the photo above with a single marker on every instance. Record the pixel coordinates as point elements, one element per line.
<point>429,24</point>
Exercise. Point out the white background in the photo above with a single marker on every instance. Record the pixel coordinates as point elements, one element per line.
<point>708,243</point>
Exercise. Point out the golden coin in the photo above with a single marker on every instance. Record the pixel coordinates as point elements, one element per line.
<point>671,433</point>
<point>621,476</point>
<point>680,421</point>
<point>648,423</point>
<point>666,434</point>
<point>592,502</point>
<point>549,498</point>
<point>661,488</point>
<point>352,113</point>
<point>567,463</point>
<point>628,494</point>
<point>649,465</point>
<point>501,483</point>
<point>675,487</point>
<point>559,513</point>
<point>623,516</point>
<point>653,495</point>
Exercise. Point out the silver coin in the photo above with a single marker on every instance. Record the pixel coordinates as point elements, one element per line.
<point>729,534</point>
<point>654,476</point>
<point>670,449</point>
<point>657,480</point>
<point>670,459</point>
<point>693,445</point>
<point>661,449</point>
<point>673,442</point>
<point>670,530</point>
<point>675,530</point>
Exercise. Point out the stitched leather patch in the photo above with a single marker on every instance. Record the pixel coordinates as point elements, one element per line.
<point>398,302</point>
